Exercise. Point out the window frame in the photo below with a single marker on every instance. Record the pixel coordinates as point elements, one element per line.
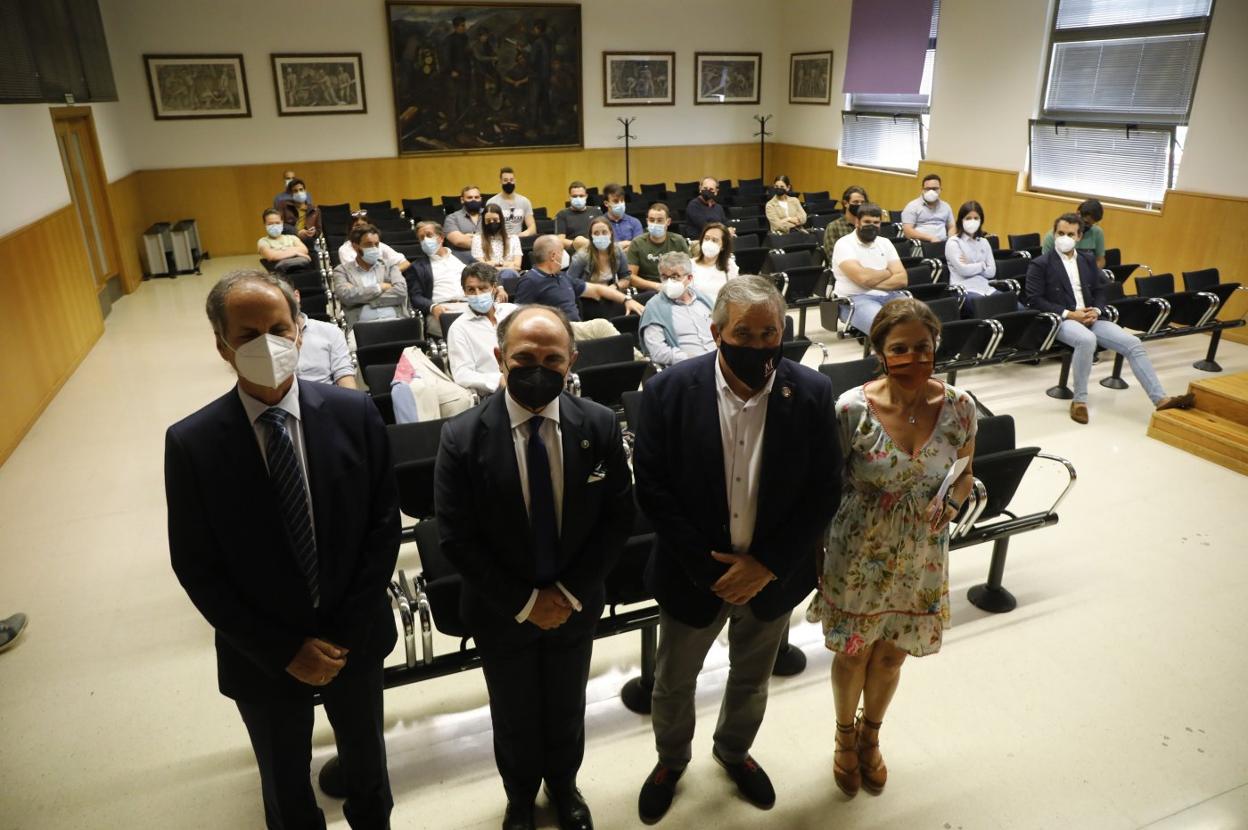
<point>1034,123</point>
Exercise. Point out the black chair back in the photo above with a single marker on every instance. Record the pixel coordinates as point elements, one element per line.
<point>1024,241</point>
<point>378,377</point>
<point>606,383</point>
<point>850,374</point>
<point>1158,285</point>
<point>750,260</point>
<point>414,450</point>
<point>994,434</point>
<point>603,350</point>
<point>627,324</point>
<point>1013,268</point>
<point>991,305</point>
<point>406,330</point>
<point>795,349</point>
<point>631,401</point>
<point>946,309</point>
<point>1001,473</point>
<point>377,207</point>
<point>1202,280</point>
<point>1113,257</point>
<point>443,583</point>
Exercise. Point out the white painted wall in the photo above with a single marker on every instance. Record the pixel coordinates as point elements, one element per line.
<point>135,27</point>
<point>1214,160</point>
<point>813,26</point>
<point>32,180</point>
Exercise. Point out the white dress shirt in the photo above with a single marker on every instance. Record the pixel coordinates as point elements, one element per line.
<point>294,425</point>
<point>552,437</point>
<point>741,426</point>
<point>447,270</point>
<point>1071,263</point>
<point>470,348</point>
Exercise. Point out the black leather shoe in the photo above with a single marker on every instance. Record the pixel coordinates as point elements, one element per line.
<point>572,810</point>
<point>752,782</point>
<point>657,793</point>
<point>518,817</point>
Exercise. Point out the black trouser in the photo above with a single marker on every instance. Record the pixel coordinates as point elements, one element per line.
<point>281,735</point>
<point>536,680</point>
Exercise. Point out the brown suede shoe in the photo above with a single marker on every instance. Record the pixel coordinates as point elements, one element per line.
<point>1079,413</point>
<point>1177,402</point>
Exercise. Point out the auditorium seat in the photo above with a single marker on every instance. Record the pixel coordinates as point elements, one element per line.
<point>1187,308</point>
<point>383,341</point>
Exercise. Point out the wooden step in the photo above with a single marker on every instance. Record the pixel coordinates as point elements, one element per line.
<point>1209,436</point>
<point>1226,397</point>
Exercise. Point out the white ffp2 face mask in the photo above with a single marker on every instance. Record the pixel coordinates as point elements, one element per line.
<point>674,289</point>
<point>710,249</point>
<point>564,261</point>
<point>931,195</point>
<point>1064,244</point>
<point>970,226</point>
<point>267,360</point>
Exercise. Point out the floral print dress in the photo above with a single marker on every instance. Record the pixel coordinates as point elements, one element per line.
<point>885,574</point>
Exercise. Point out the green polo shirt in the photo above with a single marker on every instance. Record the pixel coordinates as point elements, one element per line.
<point>644,252</point>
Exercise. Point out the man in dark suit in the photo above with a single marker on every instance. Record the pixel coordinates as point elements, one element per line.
<point>738,468</point>
<point>1069,284</point>
<point>551,469</point>
<point>284,530</point>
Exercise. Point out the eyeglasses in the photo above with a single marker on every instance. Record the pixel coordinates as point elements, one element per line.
<point>359,214</point>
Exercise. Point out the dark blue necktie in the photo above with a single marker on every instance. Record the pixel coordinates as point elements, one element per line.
<point>292,497</point>
<point>542,504</point>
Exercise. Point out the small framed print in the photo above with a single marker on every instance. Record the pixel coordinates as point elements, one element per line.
<point>319,84</point>
<point>197,86</point>
<point>810,78</point>
<point>639,79</point>
<point>727,77</point>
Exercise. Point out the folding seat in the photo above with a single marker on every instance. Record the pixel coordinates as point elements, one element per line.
<point>1187,308</point>
<point>377,378</point>
<point>383,341</point>
<point>792,242</point>
<point>816,196</point>
<point>412,207</point>
<point>1207,279</point>
<point>383,207</point>
<point>850,374</point>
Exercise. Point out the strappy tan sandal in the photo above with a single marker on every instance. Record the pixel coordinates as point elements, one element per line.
<point>848,778</point>
<point>874,776</point>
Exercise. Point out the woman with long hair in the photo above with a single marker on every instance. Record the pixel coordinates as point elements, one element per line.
<point>713,262</point>
<point>492,244</point>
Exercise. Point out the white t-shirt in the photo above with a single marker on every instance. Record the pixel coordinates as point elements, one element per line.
<point>876,255</point>
<point>447,271</point>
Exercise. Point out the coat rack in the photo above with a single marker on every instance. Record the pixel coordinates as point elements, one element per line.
<point>762,144</point>
<point>627,137</point>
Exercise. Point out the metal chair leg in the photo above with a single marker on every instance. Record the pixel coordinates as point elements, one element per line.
<point>992,595</point>
<point>1210,363</point>
<point>1062,391</point>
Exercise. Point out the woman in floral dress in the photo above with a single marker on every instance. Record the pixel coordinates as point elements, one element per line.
<point>883,591</point>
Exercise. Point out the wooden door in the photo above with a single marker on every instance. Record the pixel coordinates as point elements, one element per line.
<point>84,172</point>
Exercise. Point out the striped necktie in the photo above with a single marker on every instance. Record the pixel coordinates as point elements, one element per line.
<point>287,478</point>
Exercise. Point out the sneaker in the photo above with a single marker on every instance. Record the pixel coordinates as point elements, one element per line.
<point>752,782</point>
<point>657,793</point>
<point>11,629</point>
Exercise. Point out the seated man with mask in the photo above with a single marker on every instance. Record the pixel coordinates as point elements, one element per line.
<point>323,353</point>
<point>572,223</point>
<point>470,342</point>
<point>281,251</point>
<point>867,268</point>
<point>677,322</point>
<point>626,228</point>
<point>434,287</point>
<point>462,225</point>
<point>546,283</point>
<point>367,288</point>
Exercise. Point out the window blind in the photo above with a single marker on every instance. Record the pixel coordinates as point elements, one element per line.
<point>878,102</point>
<point>1138,78</point>
<point>887,41</point>
<point>881,141</point>
<point>1101,161</point>
<point>1081,14</point>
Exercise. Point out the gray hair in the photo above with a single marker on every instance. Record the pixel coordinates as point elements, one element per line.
<point>747,291</point>
<point>504,327</point>
<point>679,260</point>
<point>215,306</point>
<point>544,246</point>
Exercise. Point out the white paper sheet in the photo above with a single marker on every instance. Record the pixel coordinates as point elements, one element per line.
<point>954,472</point>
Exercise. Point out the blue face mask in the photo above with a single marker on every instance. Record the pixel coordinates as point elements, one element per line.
<point>301,196</point>
<point>370,255</point>
<point>578,202</point>
<point>481,303</point>
<point>656,230</point>
<point>601,242</point>
<point>274,230</point>
<point>430,245</point>
<point>617,209</point>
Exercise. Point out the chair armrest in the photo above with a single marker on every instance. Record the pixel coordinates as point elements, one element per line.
<point>405,614</point>
<point>1007,284</point>
<point>419,600</point>
<point>975,505</point>
<point>1070,484</point>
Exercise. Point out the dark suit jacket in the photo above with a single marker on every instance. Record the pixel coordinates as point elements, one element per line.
<point>290,216</point>
<point>420,283</point>
<point>679,465</point>
<point>483,522</point>
<point>228,544</point>
<point>1048,286</point>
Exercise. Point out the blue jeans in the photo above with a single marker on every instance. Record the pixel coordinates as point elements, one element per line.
<point>1110,336</point>
<point>866,306</point>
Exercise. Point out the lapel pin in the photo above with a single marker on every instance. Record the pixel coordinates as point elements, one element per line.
<point>786,392</point>
<point>584,443</point>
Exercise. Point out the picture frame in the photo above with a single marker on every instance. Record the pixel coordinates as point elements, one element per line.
<point>810,77</point>
<point>197,86</point>
<point>319,83</point>
<point>480,76</point>
<point>727,77</point>
<point>638,79</point>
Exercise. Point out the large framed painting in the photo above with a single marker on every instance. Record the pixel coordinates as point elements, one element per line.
<point>810,78</point>
<point>319,84</point>
<point>485,76</point>
<point>727,77</point>
<point>197,86</point>
<point>638,79</point>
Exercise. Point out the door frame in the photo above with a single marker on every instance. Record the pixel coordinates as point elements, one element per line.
<point>108,230</point>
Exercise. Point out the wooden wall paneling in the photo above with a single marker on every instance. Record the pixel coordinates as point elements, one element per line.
<point>127,208</point>
<point>52,317</point>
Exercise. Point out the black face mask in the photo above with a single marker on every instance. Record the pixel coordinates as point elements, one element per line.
<point>751,366</point>
<point>868,233</point>
<point>509,187</point>
<point>472,207</point>
<point>491,228</point>
<point>534,386</point>
<point>853,209</point>
<point>707,195</point>
<point>780,191</point>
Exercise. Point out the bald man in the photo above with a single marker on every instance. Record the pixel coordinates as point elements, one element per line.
<point>284,530</point>
<point>534,505</point>
<point>547,283</point>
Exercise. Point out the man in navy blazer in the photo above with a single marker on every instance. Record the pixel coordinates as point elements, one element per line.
<point>534,505</point>
<point>284,530</point>
<point>1069,284</point>
<point>738,469</point>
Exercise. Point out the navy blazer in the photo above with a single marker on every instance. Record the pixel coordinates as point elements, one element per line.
<point>679,465</point>
<point>419,276</point>
<point>484,524</point>
<point>1048,285</point>
<point>228,544</point>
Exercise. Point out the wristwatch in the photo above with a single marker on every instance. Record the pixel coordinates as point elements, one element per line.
<point>949,502</point>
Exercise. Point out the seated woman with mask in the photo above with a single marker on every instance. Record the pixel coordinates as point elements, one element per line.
<point>713,263</point>
<point>969,255</point>
<point>602,263</point>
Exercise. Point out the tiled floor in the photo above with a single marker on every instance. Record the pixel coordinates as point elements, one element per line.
<point>1112,698</point>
